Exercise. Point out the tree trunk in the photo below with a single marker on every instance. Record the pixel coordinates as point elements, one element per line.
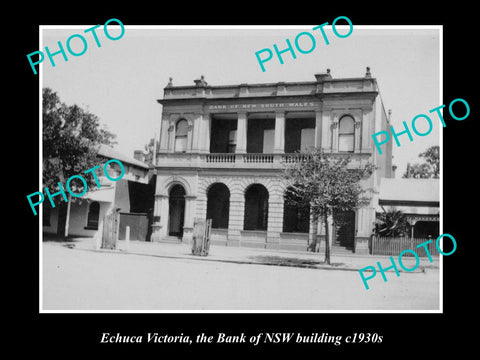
<point>327,242</point>
<point>312,235</point>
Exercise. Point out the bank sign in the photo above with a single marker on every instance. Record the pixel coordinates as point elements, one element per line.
<point>235,107</point>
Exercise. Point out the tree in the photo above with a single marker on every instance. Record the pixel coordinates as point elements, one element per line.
<point>150,151</point>
<point>71,137</point>
<point>391,223</point>
<point>417,171</point>
<point>323,182</point>
<point>432,157</point>
<point>430,168</point>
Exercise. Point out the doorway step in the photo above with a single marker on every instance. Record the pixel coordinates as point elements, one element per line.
<point>171,240</point>
<point>341,250</point>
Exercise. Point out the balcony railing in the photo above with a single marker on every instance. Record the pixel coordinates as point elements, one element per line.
<point>293,158</point>
<point>220,158</point>
<point>236,160</point>
<point>258,158</point>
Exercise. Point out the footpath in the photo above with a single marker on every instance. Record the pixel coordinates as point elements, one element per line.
<point>243,255</point>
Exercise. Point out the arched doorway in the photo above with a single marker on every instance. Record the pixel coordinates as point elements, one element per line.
<point>176,211</point>
<point>218,205</point>
<point>256,208</point>
<point>296,219</point>
<point>345,229</point>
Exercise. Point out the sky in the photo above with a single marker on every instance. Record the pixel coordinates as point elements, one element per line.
<point>121,80</point>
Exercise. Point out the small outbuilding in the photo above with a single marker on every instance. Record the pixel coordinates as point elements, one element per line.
<point>418,199</point>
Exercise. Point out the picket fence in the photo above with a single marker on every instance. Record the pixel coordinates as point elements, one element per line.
<point>394,246</point>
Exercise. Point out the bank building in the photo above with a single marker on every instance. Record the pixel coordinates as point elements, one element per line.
<point>222,150</point>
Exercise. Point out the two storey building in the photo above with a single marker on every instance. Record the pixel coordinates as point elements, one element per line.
<point>222,150</point>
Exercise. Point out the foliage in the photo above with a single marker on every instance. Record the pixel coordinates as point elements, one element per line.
<point>391,223</point>
<point>71,136</point>
<point>325,183</point>
<point>149,151</point>
<point>430,168</point>
<point>432,157</point>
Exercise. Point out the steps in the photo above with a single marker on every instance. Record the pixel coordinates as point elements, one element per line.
<point>340,250</point>
<point>171,240</point>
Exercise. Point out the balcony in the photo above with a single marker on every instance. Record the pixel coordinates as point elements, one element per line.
<point>242,161</point>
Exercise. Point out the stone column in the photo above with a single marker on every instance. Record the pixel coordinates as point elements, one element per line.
<point>188,219</point>
<point>163,145</point>
<point>334,132</point>
<point>279,141</point>
<point>326,131</point>
<point>318,128</point>
<point>364,220</point>
<point>235,221</point>
<point>189,137</point>
<point>160,217</point>
<point>366,130</point>
<point>275,221</point>
<point>171,137</point>
<point>204,133</point>
<point>357,136</point>
<point>197,132</point>
<point>242,133</point>
<point>201,207</point>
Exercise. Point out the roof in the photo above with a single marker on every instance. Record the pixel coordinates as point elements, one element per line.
<point>108,152</point>
<point>325,85</point>
<point>421,190</point>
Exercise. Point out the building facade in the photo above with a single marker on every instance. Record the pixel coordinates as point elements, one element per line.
<point>222,151</point>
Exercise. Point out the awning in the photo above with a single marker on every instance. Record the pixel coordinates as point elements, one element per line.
<point>102,194</point>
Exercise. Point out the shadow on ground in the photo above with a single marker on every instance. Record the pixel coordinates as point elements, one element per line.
<point>289,261</point>
<point>60,239</point>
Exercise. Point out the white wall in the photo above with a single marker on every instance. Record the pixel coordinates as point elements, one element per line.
<point>78,218</point>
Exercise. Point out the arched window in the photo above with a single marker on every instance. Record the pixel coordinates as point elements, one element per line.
<point>346,134</point>
<point>218,205</point>
<point>93,215</point>
<point>181,131</point>
<point>256,208</point>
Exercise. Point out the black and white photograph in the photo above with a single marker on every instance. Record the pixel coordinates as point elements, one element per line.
<point>237,183</point>
<point>219,178</point>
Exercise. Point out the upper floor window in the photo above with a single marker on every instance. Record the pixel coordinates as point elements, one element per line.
<point>181,131</point>
<point>346,134</point>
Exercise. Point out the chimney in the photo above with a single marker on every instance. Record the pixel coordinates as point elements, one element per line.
<point>201,81</point>
<point>139,155</point>
<point>368,74</point>
<point>323,76</point>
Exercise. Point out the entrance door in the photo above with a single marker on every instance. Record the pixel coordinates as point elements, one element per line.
<point>176,211</point>
<point>345,231</point>
<point>256,208</point>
